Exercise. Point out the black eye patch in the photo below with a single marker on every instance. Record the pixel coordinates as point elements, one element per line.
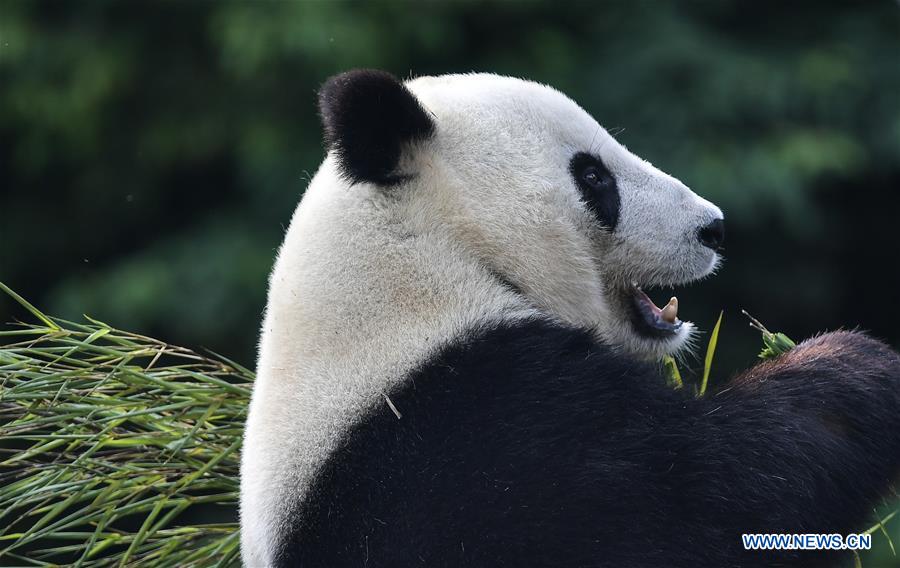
<point>598,188</point>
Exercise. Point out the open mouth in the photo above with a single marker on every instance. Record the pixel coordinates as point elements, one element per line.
<point>650,320</point>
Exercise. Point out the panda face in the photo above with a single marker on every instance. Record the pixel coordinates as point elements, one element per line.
<point>655,232</point>
<point>532,187</point>
<point>560,210</point>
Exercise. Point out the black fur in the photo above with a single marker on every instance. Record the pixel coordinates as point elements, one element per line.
<point>536,446</point>
<point>602,198</point>
<point>369,117</point>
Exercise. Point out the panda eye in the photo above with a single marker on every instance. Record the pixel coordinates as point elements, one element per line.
<point>593,177</point>
<point>597,187</point>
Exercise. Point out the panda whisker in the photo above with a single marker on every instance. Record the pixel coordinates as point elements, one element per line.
<point>615,131</point>
<point>593,138</point>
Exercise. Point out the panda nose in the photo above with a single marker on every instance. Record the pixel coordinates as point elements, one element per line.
<point>712,235</point>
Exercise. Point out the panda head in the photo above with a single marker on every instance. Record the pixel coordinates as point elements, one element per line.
<point>527,184</point>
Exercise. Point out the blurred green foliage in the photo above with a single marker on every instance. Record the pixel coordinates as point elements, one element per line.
<point>152,152</point>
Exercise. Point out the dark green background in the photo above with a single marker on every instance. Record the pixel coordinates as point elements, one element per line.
<point>152,153</point>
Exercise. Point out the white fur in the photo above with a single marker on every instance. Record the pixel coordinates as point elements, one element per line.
<point>370,281</point>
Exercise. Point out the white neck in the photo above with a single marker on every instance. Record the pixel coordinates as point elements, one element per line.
<point>355,301</point>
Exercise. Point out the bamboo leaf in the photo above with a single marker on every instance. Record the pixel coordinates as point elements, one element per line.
<point>710,353</point>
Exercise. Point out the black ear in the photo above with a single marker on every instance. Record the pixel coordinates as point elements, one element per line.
<point>368,117</point>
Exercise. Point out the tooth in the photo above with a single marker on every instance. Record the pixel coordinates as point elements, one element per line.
<point>670,312</point>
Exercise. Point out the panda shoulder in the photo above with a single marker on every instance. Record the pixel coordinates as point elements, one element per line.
<point>536,357</point>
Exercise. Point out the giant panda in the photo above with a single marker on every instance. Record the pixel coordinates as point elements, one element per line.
<point>459,365</point>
